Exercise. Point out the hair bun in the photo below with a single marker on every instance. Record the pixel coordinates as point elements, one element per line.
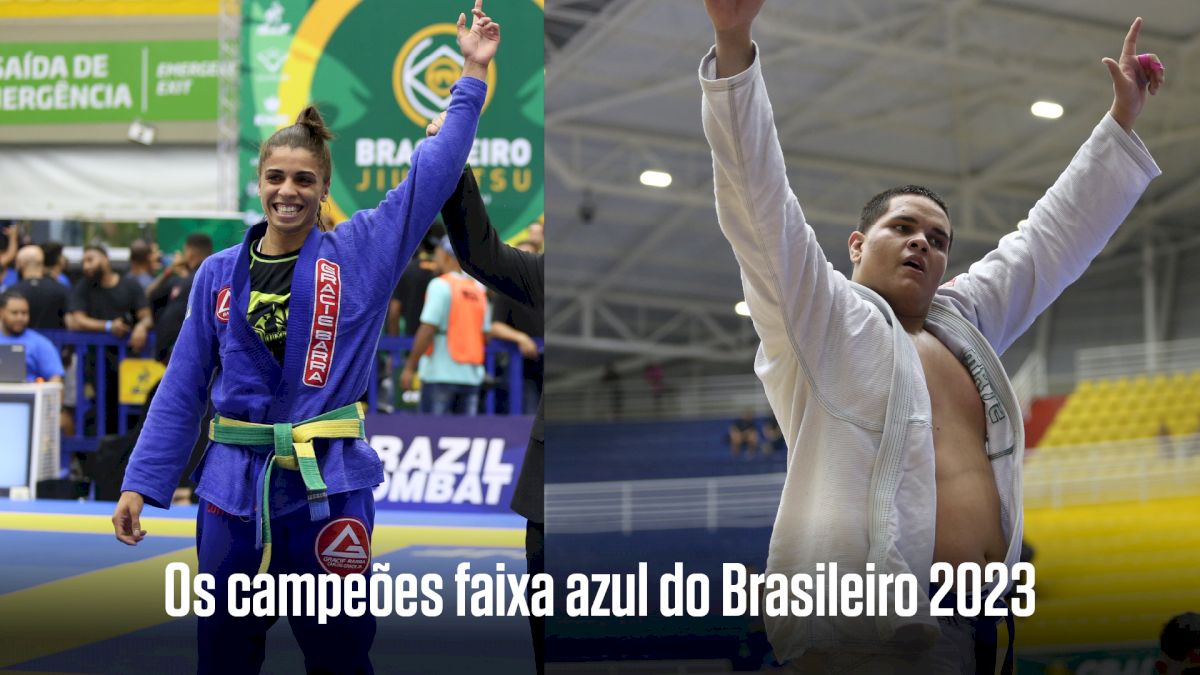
<point>311,119</point>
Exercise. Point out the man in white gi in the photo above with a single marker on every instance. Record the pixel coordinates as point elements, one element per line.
<point>904,436</point>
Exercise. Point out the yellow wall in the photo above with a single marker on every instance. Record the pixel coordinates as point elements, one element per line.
<point>40,9</point>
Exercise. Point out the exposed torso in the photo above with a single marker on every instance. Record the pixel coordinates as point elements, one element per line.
<point>968,506</point>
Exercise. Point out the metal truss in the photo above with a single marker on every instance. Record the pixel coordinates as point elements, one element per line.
<point>229,40</point>
<point>916,71</point>
<point>641,329</point>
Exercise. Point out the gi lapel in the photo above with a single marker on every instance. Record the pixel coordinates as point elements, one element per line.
<point>299,325</point>
<point>239,300</point>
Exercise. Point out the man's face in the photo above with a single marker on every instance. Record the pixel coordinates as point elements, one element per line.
<point>95,265</point>
<point>192,257</point>
<point>15,316</point>
<point>903,255</point>
<point>444,262</point>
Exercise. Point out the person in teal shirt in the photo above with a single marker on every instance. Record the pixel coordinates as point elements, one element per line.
<point>451,374</point>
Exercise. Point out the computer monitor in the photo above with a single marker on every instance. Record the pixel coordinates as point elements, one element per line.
<point>16,419</point>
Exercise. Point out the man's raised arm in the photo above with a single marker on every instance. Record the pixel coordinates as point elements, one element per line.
<point>796,299</point>
<point>1068,227</point>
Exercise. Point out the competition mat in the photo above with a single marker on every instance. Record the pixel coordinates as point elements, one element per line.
<point>74,600</point>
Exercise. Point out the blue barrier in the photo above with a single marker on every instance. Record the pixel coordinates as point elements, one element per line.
<point>397,348</point>
<point>96,344</point>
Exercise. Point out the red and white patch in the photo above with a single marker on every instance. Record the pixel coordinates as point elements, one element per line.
<point>344,547</point>
<point>223,305</point>
<point>327,303</point>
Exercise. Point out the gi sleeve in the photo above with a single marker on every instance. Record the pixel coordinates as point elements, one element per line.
<point>393,230</point>
<point>1004,293</point>
<point>171,427</point>
<point>801,307</point>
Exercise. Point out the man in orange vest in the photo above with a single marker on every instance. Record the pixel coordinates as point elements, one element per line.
<point>448,349</point>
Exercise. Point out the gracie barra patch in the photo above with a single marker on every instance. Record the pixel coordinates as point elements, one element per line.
<point>223,305</point>
<point>343,547</point>
<point>327,302</point>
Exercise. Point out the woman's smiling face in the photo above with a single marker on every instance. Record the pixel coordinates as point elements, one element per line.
<point>291,186</point>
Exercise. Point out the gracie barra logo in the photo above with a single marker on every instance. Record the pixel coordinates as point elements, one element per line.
<point>338,52</point>
<point>223,305</point>
<point>326,303</point>
<point>343,547</point>
<point>426,67</point>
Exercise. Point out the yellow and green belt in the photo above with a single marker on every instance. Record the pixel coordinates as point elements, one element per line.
<point>290,446</point>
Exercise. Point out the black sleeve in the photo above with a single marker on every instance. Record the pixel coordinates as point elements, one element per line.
<point>162,292</point>
<point>137,295</point>
<point>408,278</point>
<point>502,310</point>
<point>502,268</point>
<point>62,296</point>
<point>77,302</point>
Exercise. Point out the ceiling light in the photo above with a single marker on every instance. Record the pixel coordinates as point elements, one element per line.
<point>1047,109</point>
<point>742,309</point>
<point>658,179</point>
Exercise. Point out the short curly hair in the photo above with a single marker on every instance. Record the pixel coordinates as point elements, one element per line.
<point>878,205</point>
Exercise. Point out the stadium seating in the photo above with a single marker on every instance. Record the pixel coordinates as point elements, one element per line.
<point>1112,572</point>
<point>1127,408</point>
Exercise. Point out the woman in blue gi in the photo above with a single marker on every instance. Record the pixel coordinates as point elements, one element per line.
<point>285,327</point>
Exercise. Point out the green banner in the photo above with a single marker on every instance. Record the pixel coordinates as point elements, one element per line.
<point>83,83</point>
<point>379,71</point>
<point>170,233</point>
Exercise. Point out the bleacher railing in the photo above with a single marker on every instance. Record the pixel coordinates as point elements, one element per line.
<point>89,349</point>
<point>671,504</point>
<point>710,396</point>
<point>1145,358</point>
<point>1030,381</point>
<point>1099,473</point>
<point>90,355</point>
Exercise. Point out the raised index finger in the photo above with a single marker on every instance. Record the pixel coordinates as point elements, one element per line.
<point>1130,48</point>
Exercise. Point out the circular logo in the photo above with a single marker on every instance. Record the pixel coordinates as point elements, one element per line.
<point>343,547</point>
<point>426,67</point>
<point>378,93</point>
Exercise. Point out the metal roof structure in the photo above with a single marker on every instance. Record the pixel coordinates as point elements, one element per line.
<point>867,94</point>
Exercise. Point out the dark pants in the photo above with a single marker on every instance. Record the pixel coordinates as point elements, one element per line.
<point>225,543</point>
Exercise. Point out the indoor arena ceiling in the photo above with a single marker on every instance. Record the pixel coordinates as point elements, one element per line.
<point>867,94</point>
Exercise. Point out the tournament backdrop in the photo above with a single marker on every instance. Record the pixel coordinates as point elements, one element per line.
<point>448,463</point>
<point>380,70</point>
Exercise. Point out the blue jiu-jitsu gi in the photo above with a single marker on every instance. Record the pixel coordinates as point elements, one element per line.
<point>339,296</point>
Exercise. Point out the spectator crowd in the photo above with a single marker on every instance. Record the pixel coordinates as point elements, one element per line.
<point>449,315</point>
